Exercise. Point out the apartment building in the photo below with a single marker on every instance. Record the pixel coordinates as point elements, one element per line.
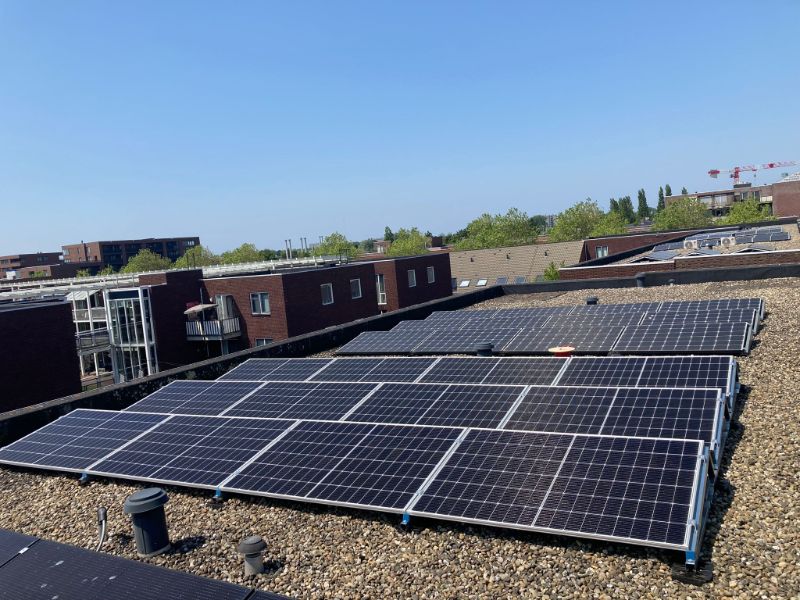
<point>12,263</point>
<point>116,253</point>
<point>782,199</point>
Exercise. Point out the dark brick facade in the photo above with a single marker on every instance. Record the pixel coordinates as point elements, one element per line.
<point>116,253</point>
<point>38,353</point>
<point>622,243</point>
<point>398,292</point>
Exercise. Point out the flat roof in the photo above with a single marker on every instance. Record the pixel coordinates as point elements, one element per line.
<point>319,551</point>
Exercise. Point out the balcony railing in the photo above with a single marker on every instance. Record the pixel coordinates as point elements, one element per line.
<point>93,340</point>
<point>213,330</point>
<point>97,314</point>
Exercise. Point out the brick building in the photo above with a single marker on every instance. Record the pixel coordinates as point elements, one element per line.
<point>116,253</point>
<point>15,262</point>
<point>781,199</point>
<point>38,352</point>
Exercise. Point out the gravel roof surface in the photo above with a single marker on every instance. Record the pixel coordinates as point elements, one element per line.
<point>753,536</point>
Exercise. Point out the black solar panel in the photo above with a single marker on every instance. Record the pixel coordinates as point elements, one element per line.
<point>384,342</point>
<point>688,371</point>
<point>196,451</point>
<point>254,369</point>
<point>398,369</point>
<point>587,339</point>
<point>397,403</point>
<point>602,371</point>
<point>525,371</point>
<point>756,304</point>
<point>347,369</point>
<point>665,413</point>
<point>75,441</point>
<point>471,406</point>
<point>52,571</point>
<point>685,337</point>
<point>11,543</point>
<point>450,342</point>
<point>636,490</point>
<point>298,369</point>
<point>195,397</point>
<point>461,370</point>
<point>563,410</point>
<point>703,316</point>
<point>614,309</point>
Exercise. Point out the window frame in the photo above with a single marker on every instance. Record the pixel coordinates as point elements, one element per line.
<point>600,251</point>
<point>431,272</point>
<point>412,277</point>
<point>258,296</point>
<point>481,283</point>
<point>464,283</point>
<point>360,291</point>
<point>264,341</point>
<point>330,287</point>
<point>380,282</point>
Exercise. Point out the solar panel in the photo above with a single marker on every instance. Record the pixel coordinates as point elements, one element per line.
<point>254,369</point>
<point>347,369</point>
<point>398,369</point>
<point>298,369</point>
<point>586,339</point>
<point>471,406</point>
<point>563,410</point>
<point>780,236</point>
<point>397,403</point>
<point>587,319</point>
<point>195,397</point>
<point>302,400</point>
<point>48,570</point>
<point>690,371</point>
<point>383,342</point>
<point>11,543</point>
<point>703,316</point>
<point>75,441</point>
<point>525,371</point>
<point>685,337</point>
<point>443,341</point>
<point>756,304</point>
<point>600,372</point>
<point>461,370</point>
<point>193,451</point>
<point>606,309</point>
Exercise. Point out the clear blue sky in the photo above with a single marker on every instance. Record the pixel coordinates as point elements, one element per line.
<point>266,120</point>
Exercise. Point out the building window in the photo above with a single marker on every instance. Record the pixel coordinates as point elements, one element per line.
<point>481,282</point>
<point>464,283</point>
<point>327,293</point>
<point>263,341</point>
<point>431,275</point>
<point>601,251</point>
<point>380,284</point>
<point>355,289</point>
<point>453,283</point>
<point>259,303</point>
<point>412,278</point>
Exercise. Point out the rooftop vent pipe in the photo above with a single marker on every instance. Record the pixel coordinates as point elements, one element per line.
<point>252,548</point>
<point>146,508</point>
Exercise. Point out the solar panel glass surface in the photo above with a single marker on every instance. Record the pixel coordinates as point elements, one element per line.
<point>563,410</point>
<point>254,369</point>
<point>602,371</point>
<point>685,337</point>
<point>195,397</point>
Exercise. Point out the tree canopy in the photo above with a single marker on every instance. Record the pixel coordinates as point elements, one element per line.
<point>577,222</point>
<point>243,254</point>
<point>684,191</point>
<point>667,190</point>
<point>492,231</point>
<point>146,260</point>
<point>747,211</point>
<point>408,242</point>
<point>611,223</point>
<point>660,205</point>
<point>388,235</point>
<point>642,210</point>
<point>336,244</point>
<point>199,256</point>
<point>684,213</point>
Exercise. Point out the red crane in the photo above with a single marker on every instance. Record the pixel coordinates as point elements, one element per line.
<point>735,171</point>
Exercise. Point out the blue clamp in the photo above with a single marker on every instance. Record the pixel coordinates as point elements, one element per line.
<point>84,480</point>
<point>406,519</point>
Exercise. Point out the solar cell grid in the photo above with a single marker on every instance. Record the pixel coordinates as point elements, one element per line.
<point>525,371</point>
<point>298,369</point>
<point>254,369</point>
<point>685,337</point>
<point>688,371</point>
<point>328,401</point>
<point>383,342</point>
<point>196,451</point>
<point>397,403</point>
<point>665,413</point>
<point>633,489</point>
<point>584,339</point>
<point>271,400</point>
<point>471,406</point>
<point>75,441</point>
<point>195,397</point>
<point>563,410</point>
<point>347,369</point>
<point>448,341</point>
<point>602,371</point>
<point>461,370</point>
<point>399,369</point>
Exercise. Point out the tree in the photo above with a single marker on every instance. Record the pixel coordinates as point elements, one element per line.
<point>336,244</point>
<point>107,270</point>
<point>684,191</point>
<point>146,260</point>
<point>83,273</point>
<point>660,205</point>
<point>613,205</point>
<point>683,213</point>
<point>551,272</point>
<point>387,234</point>
<point>746,211</point>
<point>626,208</point>
<point>642,210</point>
<point>538,224</point>
<point>367,245</point>
<point>613,223</point>
<point>268,254</point>
<point>492,231</point>
<point>577,222</point>
<point>408,242</point>
<point>667,190</point>
<point>243,254</point>
<point>198,256</point>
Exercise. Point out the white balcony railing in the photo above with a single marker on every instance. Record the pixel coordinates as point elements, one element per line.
<point>93,340</point>
<point>83,314</point>
<point>214,330</point>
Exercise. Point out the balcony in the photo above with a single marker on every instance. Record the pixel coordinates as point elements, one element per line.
<point>213,330</point>
<point>96,314</point>
<point>89,342</point>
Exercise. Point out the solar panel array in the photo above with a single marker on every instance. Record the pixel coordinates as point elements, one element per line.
<point>712,326</point>
<point>617,448</point>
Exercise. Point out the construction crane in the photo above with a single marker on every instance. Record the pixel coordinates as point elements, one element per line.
<point>735,171</point>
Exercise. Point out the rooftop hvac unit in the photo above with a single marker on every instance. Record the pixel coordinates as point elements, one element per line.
<point>727,242</point>
<point>691,244</point>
